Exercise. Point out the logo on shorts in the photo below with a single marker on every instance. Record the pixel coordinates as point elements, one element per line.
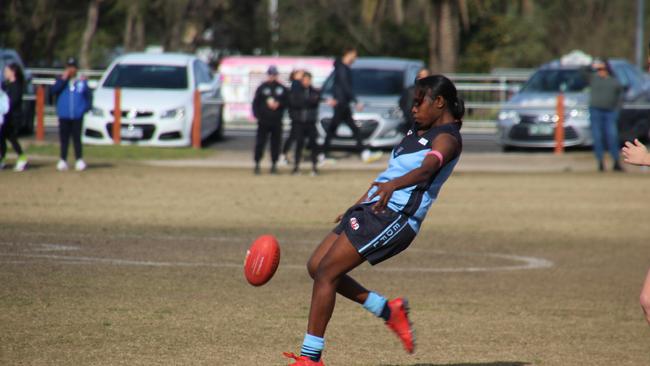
<point>354,223</point>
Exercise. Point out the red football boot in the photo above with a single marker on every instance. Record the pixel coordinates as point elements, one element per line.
<point>400,324</point>
<point>303,360</point>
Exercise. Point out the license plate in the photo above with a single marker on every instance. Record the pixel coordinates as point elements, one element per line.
<point>132,132</point>
<point>536,130</point>
<point>343,131</point>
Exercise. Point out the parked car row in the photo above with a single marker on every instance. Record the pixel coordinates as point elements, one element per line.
<point>158,90</point>
<point>529,118</point>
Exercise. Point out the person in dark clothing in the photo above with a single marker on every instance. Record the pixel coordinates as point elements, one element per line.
<point>271,99</point>
<point>13,86</point>
<point>74,99</point>
<point>304,101</point>
<point>343,96</point>
<point>295,79</point>
<point>406,101</point>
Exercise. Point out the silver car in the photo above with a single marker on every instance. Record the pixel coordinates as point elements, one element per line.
<point>378,83</point>
<point>529,118</point>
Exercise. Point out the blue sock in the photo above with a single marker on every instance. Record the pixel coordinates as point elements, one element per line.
<point>377,305</point>
<point>312,347</point>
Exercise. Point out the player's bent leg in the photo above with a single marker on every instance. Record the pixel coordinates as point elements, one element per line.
<point>347,287</point>
<point>339,260</point>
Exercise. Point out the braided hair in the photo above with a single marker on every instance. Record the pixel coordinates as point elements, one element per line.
<point>439,85</point>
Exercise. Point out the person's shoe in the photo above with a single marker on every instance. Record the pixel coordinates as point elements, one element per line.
<point>283,161</point>
<point>314,173</point>
<point>21,163</point>
<point>2,164</point>
<point>274,169</point>
<point>601,166</point>
<point>80,165</point>
<point>295,171</point>
<point>370,156</point>
<point>257,170</point>
<point>62,166</point>
<point>618,167</point>
<point>400,324</point>
<point>302,360</point>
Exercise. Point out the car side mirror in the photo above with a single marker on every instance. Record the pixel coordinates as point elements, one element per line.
<point>204,87</point>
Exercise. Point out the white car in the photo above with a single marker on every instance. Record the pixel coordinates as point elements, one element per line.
<point>157,101</point>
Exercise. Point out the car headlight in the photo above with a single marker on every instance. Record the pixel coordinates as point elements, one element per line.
<point>509,116</point>
<point>97,112</point>
<point>177,113</point>
<point>579,114</point>
<point>393,113</point>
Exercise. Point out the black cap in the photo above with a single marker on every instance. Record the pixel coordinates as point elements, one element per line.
<point>273,70</point>
<point>71,61</point>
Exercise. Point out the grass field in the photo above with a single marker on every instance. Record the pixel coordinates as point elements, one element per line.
<point>131,265</point>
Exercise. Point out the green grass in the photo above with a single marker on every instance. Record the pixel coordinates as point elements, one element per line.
<point>126,152</point>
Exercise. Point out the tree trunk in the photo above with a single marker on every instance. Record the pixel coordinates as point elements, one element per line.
<point>87,38</point>
<point>398,10</point>
<point>448,37</point>
<point>128,27</point>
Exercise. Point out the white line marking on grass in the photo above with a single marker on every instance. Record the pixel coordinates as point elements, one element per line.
<point>527,263</point>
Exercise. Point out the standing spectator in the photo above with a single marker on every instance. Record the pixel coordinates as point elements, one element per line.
<point>271,99</point>
<point>74,100</point>
<point>4,108</point>
<point>343,96</point>
<point>604,104</point>
<point>304,101</point>
<point>295,78</point>
<point>13,85</point>
<point>406,100</point>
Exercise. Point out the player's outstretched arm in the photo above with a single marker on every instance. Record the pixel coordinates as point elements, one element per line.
<point>645,297</point>
<point>636,153</point>
<point>447,147</point>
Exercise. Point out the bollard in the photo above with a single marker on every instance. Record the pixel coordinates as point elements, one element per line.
<point>40,113</point>
<point>559,125</point>
<point>196,121</point>
<point>117,117</point>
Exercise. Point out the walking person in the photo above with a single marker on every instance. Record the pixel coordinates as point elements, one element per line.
<point>604,105</point>
<point>13,86</point>
<point>386,219</point>
<point>304,101</point>
<point>271,99</point>
<point>343,96</point>
<point>295,78</point>
<point>74,99</point>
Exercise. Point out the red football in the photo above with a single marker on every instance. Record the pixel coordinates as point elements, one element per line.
<point>262,259</point>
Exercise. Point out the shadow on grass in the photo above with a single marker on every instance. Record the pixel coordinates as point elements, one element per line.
<point>496,363</point>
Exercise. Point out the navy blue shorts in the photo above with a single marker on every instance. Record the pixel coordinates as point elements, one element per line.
<point>376,236</point>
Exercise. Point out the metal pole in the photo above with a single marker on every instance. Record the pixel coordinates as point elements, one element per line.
<point>274,25</point>
<point>640,12</point>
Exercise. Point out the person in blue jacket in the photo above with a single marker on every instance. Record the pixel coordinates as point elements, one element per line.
<point>74,99</point>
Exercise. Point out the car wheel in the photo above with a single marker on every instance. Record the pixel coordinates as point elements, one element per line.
<point>507,148</point>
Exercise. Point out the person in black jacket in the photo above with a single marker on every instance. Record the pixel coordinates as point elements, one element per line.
<point>343,96</point>
<point>271,99</point>
<point>13,86</point>
<point>295,79</point>
<point>304,101</point>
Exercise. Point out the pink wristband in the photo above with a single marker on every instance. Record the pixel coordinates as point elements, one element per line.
<point>437,154</point>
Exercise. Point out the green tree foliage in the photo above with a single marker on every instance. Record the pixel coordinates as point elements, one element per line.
<point>486,34</point>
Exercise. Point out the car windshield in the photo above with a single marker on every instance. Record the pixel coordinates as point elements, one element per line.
<point>147,77</point>
<point>372,82</point>
<point>551,81</point>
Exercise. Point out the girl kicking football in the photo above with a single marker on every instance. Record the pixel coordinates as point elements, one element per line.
<point>386,219</point>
